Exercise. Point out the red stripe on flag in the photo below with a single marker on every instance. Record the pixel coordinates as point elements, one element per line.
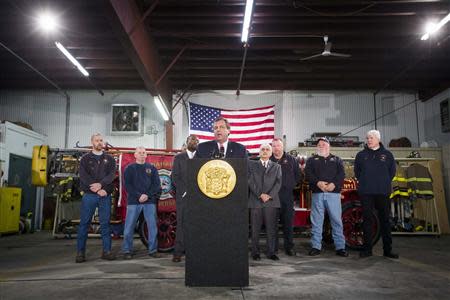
<point>253,146</point>
<point>251,123</point>
<point>252,130</point>
<point>229,117</point>
<point>255,138</point>
<point>259,108</point>
<point>204,137</point>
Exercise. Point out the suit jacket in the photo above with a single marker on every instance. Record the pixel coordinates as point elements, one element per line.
<point>264,180</point>
<point>209,148</point>
<point>179,174</point>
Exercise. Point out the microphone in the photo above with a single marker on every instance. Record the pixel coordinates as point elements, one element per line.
<point>219,154</point>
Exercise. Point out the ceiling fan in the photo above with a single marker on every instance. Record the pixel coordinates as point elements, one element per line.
<point>327,51</point>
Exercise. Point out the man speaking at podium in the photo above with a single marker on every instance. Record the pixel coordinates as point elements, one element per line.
<point>221,147</point>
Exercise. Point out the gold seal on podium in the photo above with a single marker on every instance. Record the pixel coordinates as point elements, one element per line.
<point>216,179</point>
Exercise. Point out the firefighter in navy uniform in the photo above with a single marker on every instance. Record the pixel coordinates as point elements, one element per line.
<point>97,172</point>
<point>375,169</point>
<point>290,177</point>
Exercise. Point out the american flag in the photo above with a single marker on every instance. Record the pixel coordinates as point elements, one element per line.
<point>250,127</point>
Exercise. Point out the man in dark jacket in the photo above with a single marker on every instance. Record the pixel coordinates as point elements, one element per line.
<point>97,172</point>
<point>291,176</point>
<point>325,174</point>
<point>221,147</point>
<point>179,180</point>
<point>143,188</point>
<point>375,168</point>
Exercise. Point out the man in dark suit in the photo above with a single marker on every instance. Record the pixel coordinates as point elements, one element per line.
<point>221,147</point>
<point>264,183</point>
<point>179,173</point>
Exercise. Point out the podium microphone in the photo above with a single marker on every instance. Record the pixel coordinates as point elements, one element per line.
<point>218,155</point>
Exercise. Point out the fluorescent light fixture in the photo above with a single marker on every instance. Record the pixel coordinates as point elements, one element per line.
<point>72,59</point>
<point>432,28</point>
<point>247,19</point>
<point>161,107</point>
<point>47,21</point>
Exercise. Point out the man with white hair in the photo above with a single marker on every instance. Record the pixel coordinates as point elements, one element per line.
<point>143,188</point>
<point>375,168</point>
<point>264,183</point>
<point>325,174</point>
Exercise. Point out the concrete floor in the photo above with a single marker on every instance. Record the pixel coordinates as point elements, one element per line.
<point>36,266</point>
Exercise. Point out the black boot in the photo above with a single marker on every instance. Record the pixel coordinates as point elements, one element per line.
<point>390,254</point>
<point>80,258</point>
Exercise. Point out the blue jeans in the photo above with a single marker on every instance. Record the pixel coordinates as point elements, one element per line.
<point>331,202</point>
<point>133,212</point>
<point>89,203</point>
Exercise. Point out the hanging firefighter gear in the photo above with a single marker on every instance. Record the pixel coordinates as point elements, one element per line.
<point>419,181</point>
<point>400,187</point>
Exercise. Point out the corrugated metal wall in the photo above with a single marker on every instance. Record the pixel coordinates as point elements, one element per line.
<point>298,114</point>
<point>89,112</point>
<point>44,110</point>
<point>432,119</point>
<point>402,123</point>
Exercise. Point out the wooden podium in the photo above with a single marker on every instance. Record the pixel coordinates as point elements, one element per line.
<point>216,231</point>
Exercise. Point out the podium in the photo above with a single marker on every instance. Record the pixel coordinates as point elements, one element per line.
<point>216,230</point>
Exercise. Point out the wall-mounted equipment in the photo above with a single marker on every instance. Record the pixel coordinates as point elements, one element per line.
<point>126,119</point>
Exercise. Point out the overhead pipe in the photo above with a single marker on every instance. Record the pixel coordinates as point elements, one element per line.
<point>170,65</point>
<point>238,91</point>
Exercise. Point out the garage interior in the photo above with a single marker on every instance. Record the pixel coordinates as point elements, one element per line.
<point>335,68</point>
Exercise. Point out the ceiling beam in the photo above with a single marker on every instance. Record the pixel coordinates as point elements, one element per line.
<point>140,47</point>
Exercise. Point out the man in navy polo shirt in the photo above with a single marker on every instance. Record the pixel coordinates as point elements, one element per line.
<point>143,189</point>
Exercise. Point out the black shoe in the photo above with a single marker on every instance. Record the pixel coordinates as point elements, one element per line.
<point>176,258</point>
<point>256,257</point>
<point>80,258</point>
<point>390,254</point>
<point>127,256</point>
<point>342,252</point>
<point>274,257</point>
<point>314,252</point>
<point>364,254</point>
<point>155,255</point>
<point>108,255</point>
<point>290,252</point>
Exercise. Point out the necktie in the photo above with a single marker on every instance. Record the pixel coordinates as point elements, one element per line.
<point>222,151</point>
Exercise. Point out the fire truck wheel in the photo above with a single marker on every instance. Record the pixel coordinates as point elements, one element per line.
<point>352,220</point>
<point>167,226</point>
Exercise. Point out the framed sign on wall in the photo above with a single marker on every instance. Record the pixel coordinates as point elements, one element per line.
<point>126,119</point>
<point>445,116</point>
